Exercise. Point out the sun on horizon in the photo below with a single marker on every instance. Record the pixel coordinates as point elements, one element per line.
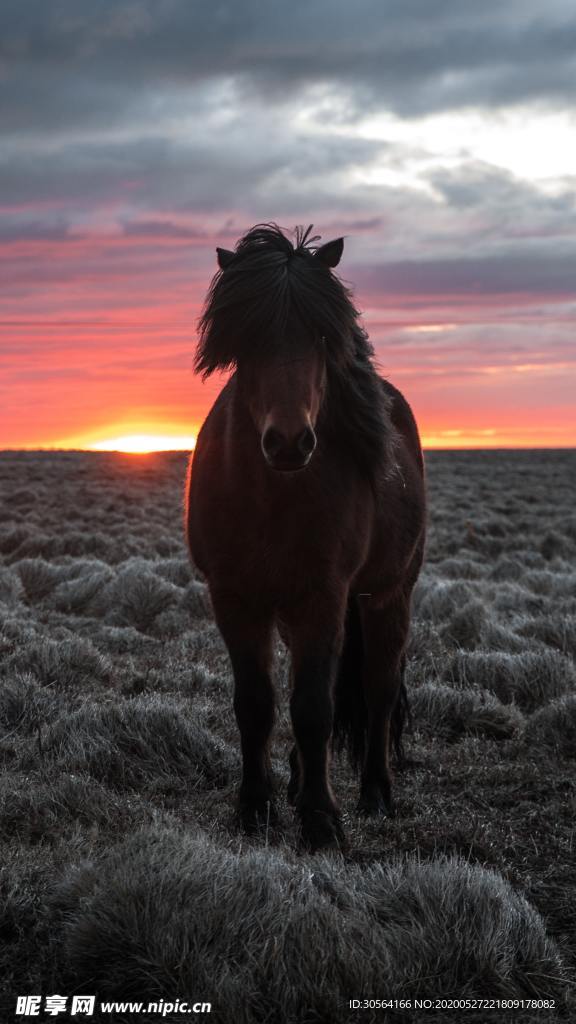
<point>144,444</point>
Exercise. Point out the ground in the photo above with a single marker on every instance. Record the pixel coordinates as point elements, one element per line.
<point>123,871</point>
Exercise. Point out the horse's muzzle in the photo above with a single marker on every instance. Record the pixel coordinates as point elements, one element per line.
<point>288,455</point>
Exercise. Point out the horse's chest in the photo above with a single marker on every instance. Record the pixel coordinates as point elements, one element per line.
<point>290,545</point>
<point>280,535</point>
<point>279,540</point>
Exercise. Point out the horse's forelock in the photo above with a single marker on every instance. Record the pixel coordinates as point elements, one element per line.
<point>270,284</point>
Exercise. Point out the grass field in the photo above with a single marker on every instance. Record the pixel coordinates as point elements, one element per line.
<point>122,870</point>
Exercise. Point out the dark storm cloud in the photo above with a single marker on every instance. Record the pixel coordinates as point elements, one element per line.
<point>410,56</point>
<point>541,272</point>
<point>170,107</point>
<point>165,119</point>
<point>193,173</point>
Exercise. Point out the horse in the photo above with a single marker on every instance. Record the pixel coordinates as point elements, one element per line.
<point>305,510</point>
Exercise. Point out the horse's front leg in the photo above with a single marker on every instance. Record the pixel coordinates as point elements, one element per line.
<point>316,629</point>
<point>247,631</point>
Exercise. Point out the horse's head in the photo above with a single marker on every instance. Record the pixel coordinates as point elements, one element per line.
<point>269,310</point>
<point>283,396</point>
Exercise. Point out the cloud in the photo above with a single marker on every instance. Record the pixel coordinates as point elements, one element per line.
<point>16,230</point>
<point>511,208</point>
<point>161,229</point>
<point>173,119</point>
<point>204,173</point>
<point>401,56</point>
<point>514,272</point>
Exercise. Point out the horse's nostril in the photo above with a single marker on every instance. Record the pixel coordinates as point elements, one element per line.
<point>282,453</point>
<point>273,442</point>
<point>306,441</point>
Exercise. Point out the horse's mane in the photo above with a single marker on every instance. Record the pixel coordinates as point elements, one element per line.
<point>272,292</point>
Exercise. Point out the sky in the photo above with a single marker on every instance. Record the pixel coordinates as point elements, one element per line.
<point>437,136</point>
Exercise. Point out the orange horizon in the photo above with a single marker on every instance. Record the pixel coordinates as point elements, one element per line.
<point>143,442</point>
<point>114,356</point>
<point>67,387</point>
<point>482,372</point>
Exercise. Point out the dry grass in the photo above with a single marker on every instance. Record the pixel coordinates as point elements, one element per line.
<point>285,937</point>
<point>121,865</point>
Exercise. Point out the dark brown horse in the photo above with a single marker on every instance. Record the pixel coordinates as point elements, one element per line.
<point>305,510</point>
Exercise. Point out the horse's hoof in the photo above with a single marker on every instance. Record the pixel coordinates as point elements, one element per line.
<point>374,804</point>
<point>321,832</point>
<point>256,818</point>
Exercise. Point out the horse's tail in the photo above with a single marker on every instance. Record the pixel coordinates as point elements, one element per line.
<point>350,729</point>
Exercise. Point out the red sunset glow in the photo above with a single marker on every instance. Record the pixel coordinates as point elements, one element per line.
<point>105,353</point>
<point>459,230</point>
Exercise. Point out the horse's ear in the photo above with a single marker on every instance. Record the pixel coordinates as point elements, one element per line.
<point>224,257</point>
<point>330,253</point>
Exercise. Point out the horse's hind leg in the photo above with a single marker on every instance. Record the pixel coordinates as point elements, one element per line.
<point>247,631</point>
<point>385,633</point>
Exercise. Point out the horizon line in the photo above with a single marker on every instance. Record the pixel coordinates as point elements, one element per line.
<point>184,451</point>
